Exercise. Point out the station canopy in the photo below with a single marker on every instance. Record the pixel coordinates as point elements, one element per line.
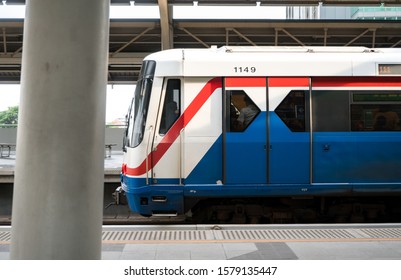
<point>132,39</point>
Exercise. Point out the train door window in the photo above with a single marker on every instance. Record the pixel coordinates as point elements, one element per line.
<point>171,106</point>
<point>376,111</point>
<point>330,110</point>
<point>242,110</point>
<point>292,111</point>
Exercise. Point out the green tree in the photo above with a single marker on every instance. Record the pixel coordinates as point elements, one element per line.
<point>9,116</point>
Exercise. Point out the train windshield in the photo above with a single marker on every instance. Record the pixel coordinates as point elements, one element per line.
<point>136,117</point>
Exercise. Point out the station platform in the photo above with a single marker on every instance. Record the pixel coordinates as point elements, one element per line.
<point>112,168</point>
<point>245,242</point>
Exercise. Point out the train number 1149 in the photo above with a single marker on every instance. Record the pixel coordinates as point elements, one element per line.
<point>245,69</point>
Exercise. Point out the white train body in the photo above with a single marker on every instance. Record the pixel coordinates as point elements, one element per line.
<point>202,154</point>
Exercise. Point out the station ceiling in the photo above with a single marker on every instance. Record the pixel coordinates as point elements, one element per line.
<point>246,2</point>
<point>131,40</point>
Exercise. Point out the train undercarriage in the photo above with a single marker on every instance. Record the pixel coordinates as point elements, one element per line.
<point>371,209</point>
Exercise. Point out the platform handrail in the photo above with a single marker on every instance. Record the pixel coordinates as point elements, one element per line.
<point>6,147</point>
<point>109,147</point>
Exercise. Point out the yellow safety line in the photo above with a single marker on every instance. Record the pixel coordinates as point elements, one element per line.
<point>239,241</point>
<point>248,240</point>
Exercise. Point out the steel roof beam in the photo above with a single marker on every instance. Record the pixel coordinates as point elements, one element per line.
<point>291,36</point>
<point>17,52</point>
<point>242,36</point>
<point>4,41</point>
<point>374,38</point>
<point>326,30</point>
<point>166,24</point>
<point>205,33</point>
<point>359,36</point>
<point>132,40</point>
<point>195,37</point>
<point>396,44</point>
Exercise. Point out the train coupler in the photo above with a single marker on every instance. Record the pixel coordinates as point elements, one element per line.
<point>119,197</point>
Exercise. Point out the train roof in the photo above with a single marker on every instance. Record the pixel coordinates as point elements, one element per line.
<point>274,61</point>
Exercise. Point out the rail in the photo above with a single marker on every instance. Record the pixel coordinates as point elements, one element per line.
<point>108,147</point>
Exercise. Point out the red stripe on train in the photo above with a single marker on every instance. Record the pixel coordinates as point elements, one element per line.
<point>356,82</point>
<point>174,132</point>
<point>288,82</point>
<point>245,82</point>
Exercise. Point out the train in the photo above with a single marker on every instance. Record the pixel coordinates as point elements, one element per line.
<point>237,133</point>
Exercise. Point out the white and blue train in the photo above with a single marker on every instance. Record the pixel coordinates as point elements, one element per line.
<point>232,130</point>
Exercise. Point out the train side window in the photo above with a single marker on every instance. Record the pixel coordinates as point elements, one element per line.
<point>376,111</point>
<point>330,110</point>
<point>242,110</point>
<point>292,111</point>
<point>171,106</point>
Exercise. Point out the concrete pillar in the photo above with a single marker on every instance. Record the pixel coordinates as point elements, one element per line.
<point>57,206</point>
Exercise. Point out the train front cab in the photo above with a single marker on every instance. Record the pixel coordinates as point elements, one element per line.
<point>310,137</point>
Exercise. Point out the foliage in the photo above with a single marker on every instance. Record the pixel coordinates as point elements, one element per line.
<point>9,116</point>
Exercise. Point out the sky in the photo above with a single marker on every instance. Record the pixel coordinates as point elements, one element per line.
<point>118,99</point>
<point>119,96</point>
<point>9,96</point>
